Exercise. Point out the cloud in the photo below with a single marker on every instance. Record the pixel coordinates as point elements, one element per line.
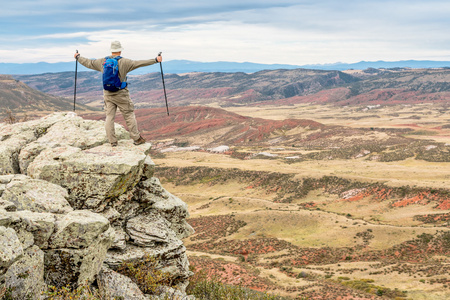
<point>284,31</point>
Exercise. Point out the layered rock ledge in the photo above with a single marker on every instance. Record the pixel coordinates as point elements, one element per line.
<point>73,209</point>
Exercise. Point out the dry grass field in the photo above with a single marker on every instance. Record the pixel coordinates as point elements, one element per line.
<point>429,121</point>
<point>349,228</point>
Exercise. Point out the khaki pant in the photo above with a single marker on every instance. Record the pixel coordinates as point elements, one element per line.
<point>122,101</point>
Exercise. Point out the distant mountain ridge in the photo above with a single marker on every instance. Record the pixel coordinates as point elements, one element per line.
<point>195,88</point>
<point>274,87</point>
<point>186,66</point>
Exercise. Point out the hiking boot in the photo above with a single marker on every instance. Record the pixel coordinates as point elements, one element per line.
<point>114,144</point>
<point>140,141</point>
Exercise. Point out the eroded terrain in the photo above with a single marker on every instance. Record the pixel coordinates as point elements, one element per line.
<point>325,222</point>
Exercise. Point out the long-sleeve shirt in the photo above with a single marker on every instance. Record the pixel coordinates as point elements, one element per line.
<point>125,66</point>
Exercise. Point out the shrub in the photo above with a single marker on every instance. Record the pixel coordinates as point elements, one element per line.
<point>367,286</point>
<point>83,292</point>
<point>214,289</point>
<point>204,288</point>
<point>5,293</point>
<point>146,274</point>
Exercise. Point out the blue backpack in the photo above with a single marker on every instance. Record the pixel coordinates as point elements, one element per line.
<point>111,80</point>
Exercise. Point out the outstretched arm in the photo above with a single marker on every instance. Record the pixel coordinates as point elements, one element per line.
<point>94,64</point>
<point>131,65</point>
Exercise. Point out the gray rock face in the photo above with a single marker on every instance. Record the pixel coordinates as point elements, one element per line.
<point>167,205</point>
<point>78,229</point>
<point>65,266</point>
<point>149,230</point>
<point>70,204</point>
<point>25,278</point>
<point>15,137</point>
<point>36,195</point>
<point>39,226</point>
<point>10,247</point>
<point>117,286</point>
<point>91,175</point>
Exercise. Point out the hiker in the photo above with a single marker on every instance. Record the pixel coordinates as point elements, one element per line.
<point>117,95</point>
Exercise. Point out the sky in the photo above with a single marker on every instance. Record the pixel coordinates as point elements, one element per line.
<point>261,31</point>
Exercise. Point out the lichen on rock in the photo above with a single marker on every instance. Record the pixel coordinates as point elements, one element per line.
<point>70,205</point>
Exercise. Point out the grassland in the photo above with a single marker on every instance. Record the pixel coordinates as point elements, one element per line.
<point>322,228</point>
<point>427,121</point>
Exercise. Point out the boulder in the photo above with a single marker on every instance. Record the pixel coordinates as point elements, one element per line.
<point>149,229</point>
<point>70,203</point>
<point>78,229</point>
<point>4,179</point>
<point>13,137</point>
<point>5,217</point>
<point>74,267</point>
<point>165,292</point>
<point>149,168</point>
<point>172,258</point>
<point>36,195</point>
<point>10,146</point>
<point>172,208</point>
<point>111,214</point>
<point>120,239</point>
<point>74,132</point>
<point>113,285</point>
<point>10,247</point>
<point>25,277</point>
<point>39,225</point>
<point>91,175</point>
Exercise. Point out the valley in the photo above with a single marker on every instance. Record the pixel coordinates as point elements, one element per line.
<point>318,226</point>
<point>308,184</point>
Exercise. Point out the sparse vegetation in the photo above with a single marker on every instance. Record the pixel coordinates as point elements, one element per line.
<point>307,193</point>
<point>214,289</point>
<point>11,118</point>
<point>83,292</point>
<point>146,274</point>
<point>367,286</point>
<point>286,188</point>
<point>205,287</point>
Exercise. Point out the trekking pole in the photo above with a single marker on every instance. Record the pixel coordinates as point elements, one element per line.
<point>75,88</point>
<point>164,86</point>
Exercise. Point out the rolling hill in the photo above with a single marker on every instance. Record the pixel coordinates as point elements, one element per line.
<point>210,127</point>
<point>370,86</point>
<point>196,88</point>
<point>19,98</point>
<point>201,125</point>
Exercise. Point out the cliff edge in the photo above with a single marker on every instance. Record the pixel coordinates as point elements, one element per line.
<point>73,209</point>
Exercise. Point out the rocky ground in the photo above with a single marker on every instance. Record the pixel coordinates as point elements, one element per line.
<point>73,209</point>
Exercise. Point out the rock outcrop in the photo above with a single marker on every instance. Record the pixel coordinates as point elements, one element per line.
<point>73,209</point>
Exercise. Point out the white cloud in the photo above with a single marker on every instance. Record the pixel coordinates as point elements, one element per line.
<point>292,32</point>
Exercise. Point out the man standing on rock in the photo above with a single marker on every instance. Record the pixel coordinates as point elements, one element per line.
<point>120,98</point>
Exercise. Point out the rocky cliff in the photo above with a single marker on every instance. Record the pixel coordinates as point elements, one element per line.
<point>73,209</point>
